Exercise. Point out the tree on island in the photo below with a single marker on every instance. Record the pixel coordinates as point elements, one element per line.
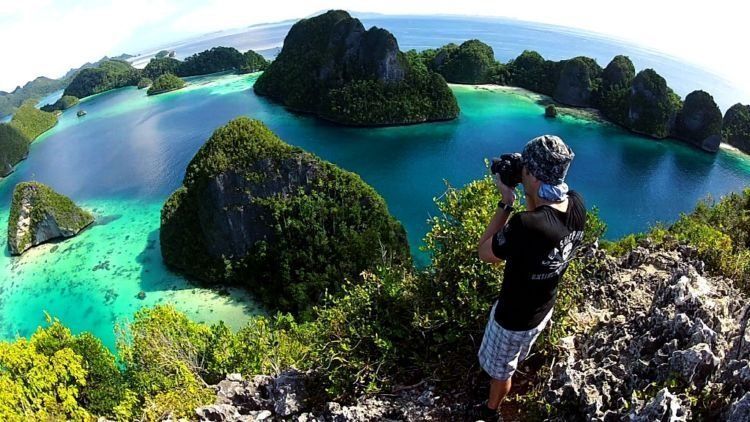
<point>736,126</point>
<point>64,103</point>
<point>472,62</point>
<point>144,83</point>
<point>109,74</point>
<point>165,83</point>
<point>253,62</point>
<point>161,65</point>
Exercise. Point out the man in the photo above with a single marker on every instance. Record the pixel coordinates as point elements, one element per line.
<point>537,246</point>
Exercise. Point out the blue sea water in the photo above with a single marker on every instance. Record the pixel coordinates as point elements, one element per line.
<point>130,151</point>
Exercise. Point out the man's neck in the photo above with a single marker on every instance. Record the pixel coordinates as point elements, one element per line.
<point>534,202</point>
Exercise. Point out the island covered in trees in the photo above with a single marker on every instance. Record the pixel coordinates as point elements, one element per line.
<point>332,67</point>
<point>641,102</point>
<point>15,137</point>
<point>256,212</point>
<point>165,83</point>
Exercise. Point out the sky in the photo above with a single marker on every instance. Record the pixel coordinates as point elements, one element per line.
<point>48,37</point>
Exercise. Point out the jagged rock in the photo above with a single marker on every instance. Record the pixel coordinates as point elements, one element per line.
<point>652,106</point>
<point>735,128</point>
<point>39,214</point>
<point>550,111</point>
<point>740,410</point>
<point>665,407</point>
<point>653,320</point>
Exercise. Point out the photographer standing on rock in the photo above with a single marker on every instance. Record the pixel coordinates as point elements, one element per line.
<point>537,245</point>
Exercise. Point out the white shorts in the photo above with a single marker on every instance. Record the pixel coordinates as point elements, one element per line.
<point>502,350</point>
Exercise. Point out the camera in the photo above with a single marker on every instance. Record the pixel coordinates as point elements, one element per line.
<point>509,167</point>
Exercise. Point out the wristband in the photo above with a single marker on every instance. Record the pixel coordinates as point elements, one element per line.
<point>505,207</point>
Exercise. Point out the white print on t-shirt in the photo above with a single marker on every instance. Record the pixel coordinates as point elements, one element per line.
<point>559,257</point>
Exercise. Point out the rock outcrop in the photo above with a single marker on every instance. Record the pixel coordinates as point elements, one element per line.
<point>619,73</point>
<point>736,126</point>
<point>39,214</point>
<point>579,77</point>
<point>257,212</point>
<point>652,106</point>
<point>699,121</point>
<point>290,396</point>
<point>332,67</point>
<point>657,332</point>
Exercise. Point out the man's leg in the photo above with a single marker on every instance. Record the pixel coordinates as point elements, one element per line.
<point>498,390</point>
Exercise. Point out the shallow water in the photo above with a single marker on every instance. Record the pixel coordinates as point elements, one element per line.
<point>130,151</point>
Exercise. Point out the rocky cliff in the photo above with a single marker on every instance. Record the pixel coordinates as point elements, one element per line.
<point>332,67</point>
<point>257,212</point>
<point>39,214</point>
<point>699,121</point>
<point>652,106</point>
<point>579,78</point>
<point>472,62</point>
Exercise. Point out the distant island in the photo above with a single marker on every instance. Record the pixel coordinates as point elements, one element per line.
<point>642,102</point>
<point>332,67</point>
<point>112,74</point>
<point>64,103</point>
<point>165,83</point>
<point>15,137</point>
<point>42,86</point>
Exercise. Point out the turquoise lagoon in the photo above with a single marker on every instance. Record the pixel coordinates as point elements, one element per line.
<point>129,152</point>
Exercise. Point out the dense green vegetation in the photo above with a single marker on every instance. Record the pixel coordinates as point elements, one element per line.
<point>252,62</point>
<point>64,103</point>
<point>44,201</point>
<point>32,122</point>
<point>14,147</point>
<point>109,74</point>
<point>331,67</point>
<point>653,106</point>
<point>472,62</point>
<point>159,66</point>
<point>165,83</point>
<point>531,71</point>
<point>27,123</point>
<point>736,126</point>
<point>617,79</point>
<point>580,78</point>
<point>699,119</point>
<point>305,224</point>
<point>217,59</point>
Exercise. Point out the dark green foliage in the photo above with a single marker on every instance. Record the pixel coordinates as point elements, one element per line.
<point>473,62</point>
<point>580,79</point>
<point>109,74</point>
<point>32,122</point>
<point>306,240</point>
<point>217,59</point>
<point>163,53</point>
<point>531,71</point>
<point>612,98</point>
<point>159,66</point>
<point>699,119</point>
<point>736,126</point>
<point>14,147</point>
<point>165,83</point>
<point>64,103</point>
<point>652,105</point>
<point>144,83</point>
<point>252,62</point>
<point>330,66</point>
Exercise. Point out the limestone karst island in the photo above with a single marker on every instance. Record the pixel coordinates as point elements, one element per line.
<point>455,215</point>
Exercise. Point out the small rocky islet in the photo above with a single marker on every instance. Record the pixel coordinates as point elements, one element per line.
<point>38,214</point>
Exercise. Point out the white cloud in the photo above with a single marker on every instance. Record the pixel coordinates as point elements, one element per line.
<point>46,37</point>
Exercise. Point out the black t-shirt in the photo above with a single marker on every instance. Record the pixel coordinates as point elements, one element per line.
<point>537,247</point>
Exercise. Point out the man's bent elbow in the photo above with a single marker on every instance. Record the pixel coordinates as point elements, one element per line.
<point>485,253</point>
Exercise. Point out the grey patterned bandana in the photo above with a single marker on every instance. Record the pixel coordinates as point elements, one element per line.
<point>548,158</point>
